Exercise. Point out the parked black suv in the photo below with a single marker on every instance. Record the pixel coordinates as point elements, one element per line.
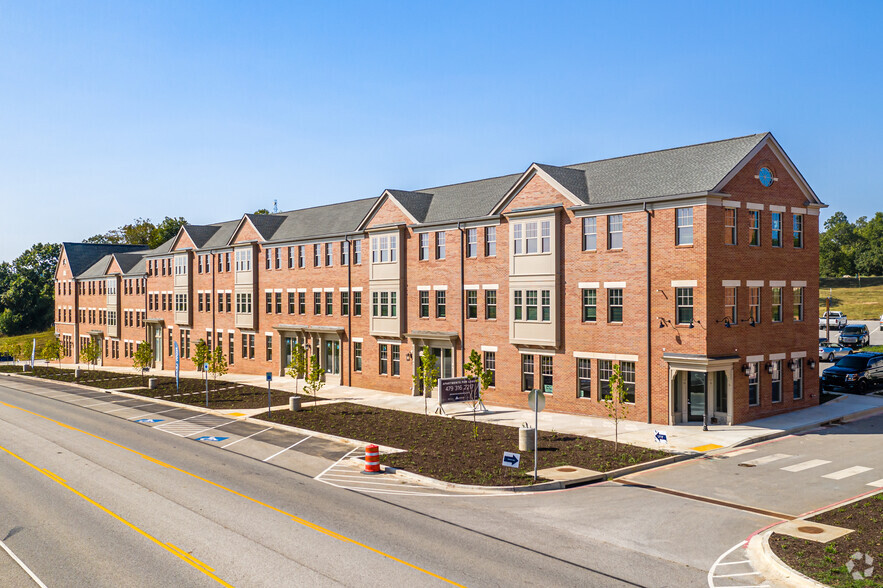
<point>854,336</point>
<point>858,372</point>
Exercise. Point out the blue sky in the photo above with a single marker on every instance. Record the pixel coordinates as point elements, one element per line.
<point>115,110</point>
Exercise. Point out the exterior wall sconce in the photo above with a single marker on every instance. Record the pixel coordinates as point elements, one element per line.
<point>746,369</point>
<point>792,365</point>
<point>725,321</point>
<point>409,356</point>
<point>752,323</point>
<point>769,368</point>
<point>661,322</point>
<point>691,323</point>
<point>812,364</point>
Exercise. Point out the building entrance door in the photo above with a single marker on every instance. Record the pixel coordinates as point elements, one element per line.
<point>445,363</point>
<point>697,395</point>
<point>332,357</point>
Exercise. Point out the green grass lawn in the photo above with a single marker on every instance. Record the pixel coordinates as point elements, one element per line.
<point>864,303</point>
<point>25,341</point>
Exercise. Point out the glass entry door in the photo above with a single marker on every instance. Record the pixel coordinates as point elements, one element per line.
<point>332,357</point>
<point>444,361</point>
<point>696,395</point>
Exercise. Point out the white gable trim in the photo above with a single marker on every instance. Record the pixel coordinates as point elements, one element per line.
<point>526,177</point>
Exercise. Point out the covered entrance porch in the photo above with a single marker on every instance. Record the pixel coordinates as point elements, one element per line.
<point>155,339</point>
<point>97,337</point>
<point>442,344</point>
<point>700,389</point>
<point>324,342</point>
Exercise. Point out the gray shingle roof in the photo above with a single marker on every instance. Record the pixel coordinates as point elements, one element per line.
<point>574,180</point>
<point>82,256</point>
<point>416,203</point>
<point>266,224</point>
<point>200,234</point>
<point>330,219</point>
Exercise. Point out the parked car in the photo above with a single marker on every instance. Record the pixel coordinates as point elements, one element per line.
<point>858,372</point>
<point>881,322</point>
<point>4,357</point>
<point>832,351</point>
<point>834,319</point>
<point>855,336</point>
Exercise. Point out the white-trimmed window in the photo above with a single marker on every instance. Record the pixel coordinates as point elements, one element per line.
<point>798,231</point>
<point>590,305</point>
<point>424,303</point>
<point>243,260</point>
<point>546,374</point>
<point>614,305</point>
<point>684,305</point>
<point>583,378</point>
<point>754,228</point>
<point>753,384</point>
<point>490,241</point>
<point>344,253</point>
<point>490,365</point>
<point>440,245</point>
<point>730,304</point>
<point>423,246</point>
<point>532,305</point>
<point>243,303</point>
<point>776,381</point>
<point>518,238</point>
<point>590,233</point>
<point>527,371</point>
<point>776,226</point>
<point>345,303</point>
<point>490,304</point>
<point>730,234</point>
<point>329,303</point>
<point>384,359</point>
<point>180,302</point>
<point>317,255</point>
<point>383,249</point>
<point>278,258</point>
<point>777,304</point>
<point>532,237</point>
<point>545,236</point>
<point>301,256</point>
<point>383,304</point>
<point>440,304</point>
<point>357,251</point>
<point>797,378</point>
<point>605,370</point>
<point>472,304</point>
<point>684,222</point>
<point>754,304</point>
<point>357,356</point>
<point>798,304</point>
<point>180,266</point>
<point>291,258</point>
<point>614,231</point>
<point>317,303</point>
<point>329,254</point>
<point>471,242</point>
<point>395,363</point>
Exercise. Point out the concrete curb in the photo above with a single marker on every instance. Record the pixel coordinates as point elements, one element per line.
<point>773,569</point>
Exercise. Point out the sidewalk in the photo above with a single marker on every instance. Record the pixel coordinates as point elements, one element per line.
<point>681,438</point>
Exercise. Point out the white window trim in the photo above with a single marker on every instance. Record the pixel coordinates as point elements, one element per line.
<point>731,204</point>
<point>798,283</point>
<point>754,206</point>
<point>684,283</point>
<point>731,283</point>
<point>439,287</point>
<point>609,285</point>
<point>490,286</point>
<point>607,356</point>
<point>754,283</point>
<point>777,283</point>
<point>777,356</point>
<point>754,359</point>
<point>489,348</point>
<point>798,354</point>
<point>589,285</point>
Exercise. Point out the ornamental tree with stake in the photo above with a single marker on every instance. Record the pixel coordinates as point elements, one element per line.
<point>426,377</point>
<point>314,381</point>
<point>475,370</point>
<point>297,367</point>
<point>616,403</point>
<point>91,353</point>
<point>142,358</point>
<point>218,364</point>
<point>201,354</point>
<point>52,351</point>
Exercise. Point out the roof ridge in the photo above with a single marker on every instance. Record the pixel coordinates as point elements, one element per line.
<point>285,212</point>
<point>572,165</point>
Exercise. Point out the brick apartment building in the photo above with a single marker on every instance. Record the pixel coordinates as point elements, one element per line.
<point>695,269</point>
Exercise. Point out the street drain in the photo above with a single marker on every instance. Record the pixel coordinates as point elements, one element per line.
<point>747,465</point>
<point>811,530</point>
<point>566,469</point>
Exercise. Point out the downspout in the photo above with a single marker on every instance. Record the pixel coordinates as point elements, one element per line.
<point>462,300</point>
<point>215,304</point>
<point>649,325</point>
<point>349,315</point>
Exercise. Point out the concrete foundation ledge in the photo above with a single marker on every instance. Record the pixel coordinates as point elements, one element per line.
<point>773,569</point>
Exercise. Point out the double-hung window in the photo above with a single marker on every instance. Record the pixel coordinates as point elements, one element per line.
<point>797,377</point>
<point>777,304</point>
<point>357,356</point>
<point>424,303</point>
<point>301,256</point>
<point>754,304</point>
<point>278,258</point>
<point>329,254</point>
<point>278,302</point>
<point>527,372</point>
<point>344,253</point>
<point>395,363</point>
<point>684,303</point>
<point>614,231</point>
<point>329,303</point>
<point>471,242</point>
<point>776,381</point>
<point>628,380</point>
<point>518,238</point>
<point>384,358</point>
<point>590,233</point>
<point>530,237</point>
<point>345,303</point>
<point>317,303</point>
<point>440,245</point>
<point>798,231</point>
<point>490,241</point>
<point>472,304</point>
<point>584,378</point>
<point>605,371</point>
<point>357,303</point>
<point>590,305</point>
<point>490,304</point>
<point>291,302</point>
<point>545,236</point>
<point>754,228</point>
<point>614,305</point>
<point>753,384</point>
<point>730,304</point>
<point>730,235</point>
<point>684,221</point>
<point>798,304</point>
<point>317,255</point>
<point>440,304</point>
<point>302,303</point>
<point>546,373</point>
<point>423,246</point>
<point>490,366</point>
<point>357,251</point>
<point>776,225</point>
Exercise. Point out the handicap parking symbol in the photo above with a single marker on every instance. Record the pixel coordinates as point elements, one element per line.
<point>149,421</point>
<point>216,439</point>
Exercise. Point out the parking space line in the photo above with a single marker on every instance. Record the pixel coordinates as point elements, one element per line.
<point>210,428</point>
<point>739,452</point>
<point>799,467</point>
<point>244,438</point>
<point>22,565</point>
<point>854,470</point>
<point>767,459</point>
<point>150,413</point>
<point>287,448</point>
<point>127,407</point>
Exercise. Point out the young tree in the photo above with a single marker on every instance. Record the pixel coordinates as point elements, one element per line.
<point>297,367</point>
<point>52,351</point>
<point>314,381</point>
<point>218,364</point>
<point>616,403</point>
<point>201,354</point>
<point>16,351</point>
<point>91,353</point>
<point>475,369</point>
<point>426,377</point>
<point>142,358</point>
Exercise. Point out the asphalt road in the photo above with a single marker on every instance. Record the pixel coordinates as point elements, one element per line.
<point>93,499</point>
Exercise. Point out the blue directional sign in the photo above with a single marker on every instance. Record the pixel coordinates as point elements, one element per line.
<point>216,439</point>
<point>660,436</point>
<point>511,460</point>
<point>149,420</point>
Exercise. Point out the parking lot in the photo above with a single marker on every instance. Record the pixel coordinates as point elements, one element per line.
<point>876,338</point>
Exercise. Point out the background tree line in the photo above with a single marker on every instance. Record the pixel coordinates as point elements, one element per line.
<point>27,291</point>
<point>847,249</point>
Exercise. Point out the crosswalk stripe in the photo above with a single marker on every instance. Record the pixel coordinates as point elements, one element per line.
<point>740,452</point>
<point>799,467</point>
<point>767,459</point>
<point>876,484</point>
<point>854,470</point>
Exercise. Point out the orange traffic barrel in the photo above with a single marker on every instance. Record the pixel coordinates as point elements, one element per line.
<point>372,460</point>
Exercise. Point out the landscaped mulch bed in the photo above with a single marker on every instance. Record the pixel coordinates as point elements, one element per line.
<point>446,448</point>
<point>222,394</point>
<point>827,562</point>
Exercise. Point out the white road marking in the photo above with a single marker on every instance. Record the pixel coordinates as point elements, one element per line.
<point>733,563</point>
<point>147,414</point>
<point>799,467</point>
<point>244,438</point>
<point>739,452</point>
<point>287,448</point>
<point>23,566</point>
<point>767,459</point>
<point>847,472</point>
<point>734,575</point>
<point>876,484</point>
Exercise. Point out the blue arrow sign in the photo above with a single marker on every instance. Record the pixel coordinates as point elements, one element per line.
<point>212,438</point>
<point>660,437</point>
<point>149,421</point>
<point>511,460</point>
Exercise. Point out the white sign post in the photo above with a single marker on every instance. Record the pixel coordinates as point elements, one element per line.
<point>537,401</point>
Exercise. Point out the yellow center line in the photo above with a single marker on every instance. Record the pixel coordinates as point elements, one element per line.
<point>295,518</point>
<point>201,567</point>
